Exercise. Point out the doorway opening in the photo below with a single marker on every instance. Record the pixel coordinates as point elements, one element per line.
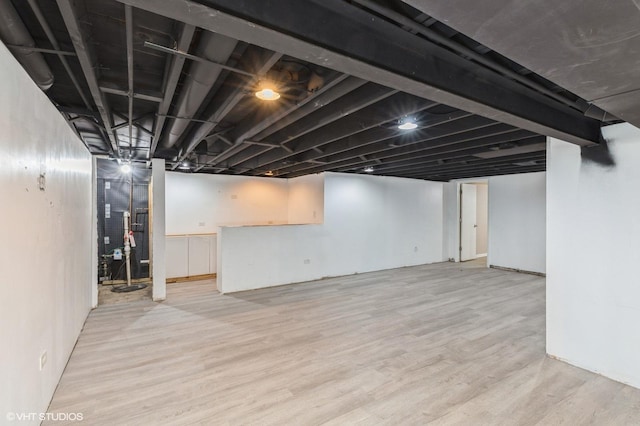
<point>474,211</point>
<point>123,233</point>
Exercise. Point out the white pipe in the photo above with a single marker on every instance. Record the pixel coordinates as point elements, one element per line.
<point>127,247</point>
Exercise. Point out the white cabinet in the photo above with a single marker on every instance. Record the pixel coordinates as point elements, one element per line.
<point>177,256</point>
<point>199,255</point>
<point>190,255</point>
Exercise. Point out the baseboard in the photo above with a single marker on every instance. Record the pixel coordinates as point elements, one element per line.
<point>624,380</point>
<point>191,278</point>
<point>522,271</point>
<point>481,255</point>
<point>134,281</point>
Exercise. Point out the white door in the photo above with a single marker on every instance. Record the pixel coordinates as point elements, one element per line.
<point>467,221</point>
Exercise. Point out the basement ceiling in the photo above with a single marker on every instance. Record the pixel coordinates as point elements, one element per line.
<point>138,79</point>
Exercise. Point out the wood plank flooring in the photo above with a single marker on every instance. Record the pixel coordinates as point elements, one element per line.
<point>444,344</point>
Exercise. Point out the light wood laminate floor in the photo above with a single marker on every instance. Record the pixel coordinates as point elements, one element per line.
<point>438,344</point>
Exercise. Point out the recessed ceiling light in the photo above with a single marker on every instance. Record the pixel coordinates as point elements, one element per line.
<point>184,165</point>
<point>269,173</point>
<point>125,168</point>
<point>368,169</point>
<point>407,125</point>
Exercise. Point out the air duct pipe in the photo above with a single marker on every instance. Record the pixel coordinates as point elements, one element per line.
<point>198,83</point>
<point>14,33</point>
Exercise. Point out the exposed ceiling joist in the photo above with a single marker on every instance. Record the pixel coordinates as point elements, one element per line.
<point>441,155</point>
<point>400,60</point>
<point>530,161</point>
<point>172,75</point>
<point>229,101</point>
<point>111,90</point>
<point>366,121</point>
<point>355,147</point>
<point>452,162</point>
<point>381,139</point>
<point>334,88</point>
<point>488,136</point>
<point>58,51</point>
<point>512,151</point>
<point>85,56</point>
<point>300,135</point>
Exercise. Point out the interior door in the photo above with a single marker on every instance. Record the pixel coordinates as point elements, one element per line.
<point>467,222</point>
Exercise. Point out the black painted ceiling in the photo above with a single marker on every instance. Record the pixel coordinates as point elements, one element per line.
<point>176,80</point>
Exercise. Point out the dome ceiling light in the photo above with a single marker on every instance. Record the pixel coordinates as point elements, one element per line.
<point>267,92</point>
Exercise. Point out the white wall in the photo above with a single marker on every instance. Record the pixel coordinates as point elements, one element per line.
<point>306,199</point>
<point>517,222</point>
<point>377,223</point>
<point>199,203</point>
<point>593,295</point>
<point>370,223</point>
<point>46,252</point>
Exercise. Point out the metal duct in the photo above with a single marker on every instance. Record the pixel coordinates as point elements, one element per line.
<point>198,83</point>
<point>15,34</point>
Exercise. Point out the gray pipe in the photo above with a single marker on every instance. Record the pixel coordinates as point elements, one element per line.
<point>202,76</point>
<point>13,32</point>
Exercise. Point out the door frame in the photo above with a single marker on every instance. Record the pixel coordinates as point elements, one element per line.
<point>460,219</point>
<point>457,227</point>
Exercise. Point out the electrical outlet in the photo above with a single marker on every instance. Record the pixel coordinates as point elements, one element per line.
<point>106,240</point>
<point>201,223</point>
<point>234,197</point>
<point>307,261</point>
<point>43,360</point>
<point>415,249</point>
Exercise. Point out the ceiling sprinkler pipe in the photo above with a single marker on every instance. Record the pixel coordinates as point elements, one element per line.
<point>14,32</point>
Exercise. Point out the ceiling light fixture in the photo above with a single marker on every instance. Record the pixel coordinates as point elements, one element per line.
<point>407,125</point>
<point>368,169</point>
<point>269,173</point>
<point>184,165</point>
<point>125,168</point>
<point>267,92</point>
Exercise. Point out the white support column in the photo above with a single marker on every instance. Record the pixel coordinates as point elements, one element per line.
<point>158,264</point>
<point>94,232</point>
